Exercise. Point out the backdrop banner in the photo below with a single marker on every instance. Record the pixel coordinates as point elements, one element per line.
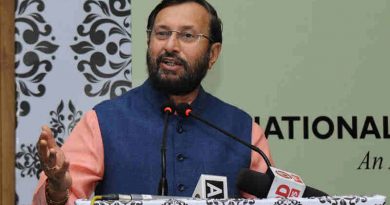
<point>70,55</point>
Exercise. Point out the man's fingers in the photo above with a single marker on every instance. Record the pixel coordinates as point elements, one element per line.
<point>52,161</point>
<point>60,173</point>
<point>63,169</point>
<point>46,143</point>
<point>43,150</point>
<point>46,131</point>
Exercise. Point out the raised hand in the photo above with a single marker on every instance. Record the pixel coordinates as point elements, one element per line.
<point>54,164</point>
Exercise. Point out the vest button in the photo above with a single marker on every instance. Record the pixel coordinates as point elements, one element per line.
<point>180,129</point>
<point>180,157</point>
<point>181,187</point>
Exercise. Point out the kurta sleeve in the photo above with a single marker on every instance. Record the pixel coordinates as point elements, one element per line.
<point>260,141</point>
<point>257,162</point>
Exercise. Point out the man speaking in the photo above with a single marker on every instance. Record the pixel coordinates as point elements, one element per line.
<point>115,148</point>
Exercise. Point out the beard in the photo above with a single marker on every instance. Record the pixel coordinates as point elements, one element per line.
<point>184,84</point>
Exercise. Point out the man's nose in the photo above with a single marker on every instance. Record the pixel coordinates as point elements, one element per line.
<point>172,43</point>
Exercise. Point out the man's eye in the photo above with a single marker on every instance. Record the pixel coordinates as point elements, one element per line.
<point>188,35</point>
<point>163,33</point>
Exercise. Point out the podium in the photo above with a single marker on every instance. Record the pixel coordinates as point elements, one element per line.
<point>328,200</point>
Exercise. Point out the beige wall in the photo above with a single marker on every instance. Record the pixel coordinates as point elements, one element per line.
<point>303,58</point>
<point>7,103</point>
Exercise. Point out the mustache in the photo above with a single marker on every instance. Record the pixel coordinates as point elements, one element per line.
<point>172,55</point>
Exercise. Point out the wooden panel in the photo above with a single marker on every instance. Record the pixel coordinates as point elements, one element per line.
<point>7,103</point>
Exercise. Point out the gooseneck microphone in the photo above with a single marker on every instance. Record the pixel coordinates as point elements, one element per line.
<point>185,110</point>
<point>167,109</point>
<point>259,184</point>
<point>275,183</point>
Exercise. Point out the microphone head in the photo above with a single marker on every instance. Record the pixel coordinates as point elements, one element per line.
<point>168,107</point>
<point>312,192</point>
<point>255,183</point>
<point>184,109</point>
<point>259,184</point>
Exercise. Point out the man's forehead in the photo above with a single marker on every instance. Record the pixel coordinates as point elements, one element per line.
<point>188,15</point>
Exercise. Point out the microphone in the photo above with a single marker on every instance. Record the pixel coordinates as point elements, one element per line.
<point>185,109</point>
<point>211,186</point>
<point>168,109</point>
<point>259,185</point>
<point>275,183</point>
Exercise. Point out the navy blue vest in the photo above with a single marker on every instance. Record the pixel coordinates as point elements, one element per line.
<point>131,127</point>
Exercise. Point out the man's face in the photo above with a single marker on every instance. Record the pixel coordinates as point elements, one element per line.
<point>174,66</point>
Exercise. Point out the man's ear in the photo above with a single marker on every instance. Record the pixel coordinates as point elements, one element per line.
<point>147,40</point>
<point>215,50</point>
<point>148,37</point>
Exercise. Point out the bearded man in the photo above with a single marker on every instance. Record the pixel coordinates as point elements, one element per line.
<point>115,148</point>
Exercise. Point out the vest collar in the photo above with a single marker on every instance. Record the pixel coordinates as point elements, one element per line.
<point>157,98</point>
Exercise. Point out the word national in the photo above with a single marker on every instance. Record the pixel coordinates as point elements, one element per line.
<point>323,127</point>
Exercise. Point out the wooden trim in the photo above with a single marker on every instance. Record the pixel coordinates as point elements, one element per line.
<point>7,102</point>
